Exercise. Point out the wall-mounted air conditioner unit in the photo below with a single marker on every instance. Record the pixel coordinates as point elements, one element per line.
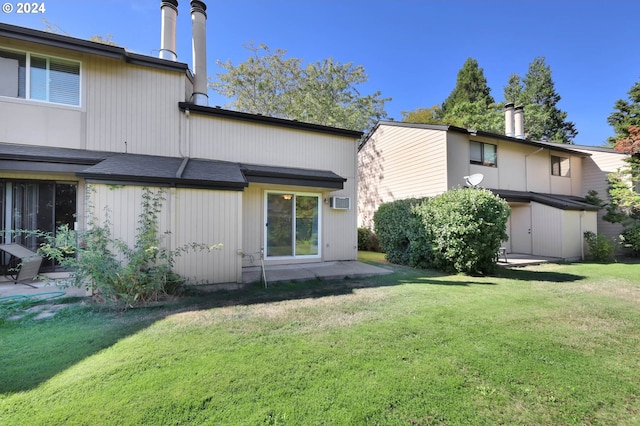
<point>341,203</point>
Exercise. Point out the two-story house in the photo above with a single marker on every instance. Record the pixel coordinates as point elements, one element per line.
<point>543,182</point>
<point>86,126</point>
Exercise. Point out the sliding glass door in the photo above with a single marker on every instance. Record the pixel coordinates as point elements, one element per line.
<point>293,224</point>
<point>31,205</point>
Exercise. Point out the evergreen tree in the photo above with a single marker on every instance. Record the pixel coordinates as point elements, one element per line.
<point>469,105</point>
<point>536,92</point>
<point>471,87</point>
<point>626,114</point>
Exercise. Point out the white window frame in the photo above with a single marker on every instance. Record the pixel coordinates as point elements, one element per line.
<point>266,211</point>
<point>27,81</point>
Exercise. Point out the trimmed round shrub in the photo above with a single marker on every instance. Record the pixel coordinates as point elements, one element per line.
<point>465,228</point>
<point>396,225</point>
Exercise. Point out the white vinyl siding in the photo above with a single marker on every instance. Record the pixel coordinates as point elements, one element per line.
<point>398,163</point>
<point>192,216</point>
<point>133,109</point>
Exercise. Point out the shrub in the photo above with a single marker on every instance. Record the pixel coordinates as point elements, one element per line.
<point>367,240</point>
<point>601,248</point>
<point>630,239</point>
<point>114,271</point>
<point>465,228</point>
<point>395,224</point>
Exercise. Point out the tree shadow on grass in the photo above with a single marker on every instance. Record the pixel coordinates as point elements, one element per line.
<point>432,281</point>
<point>33,351</point>
<point>545,276</point>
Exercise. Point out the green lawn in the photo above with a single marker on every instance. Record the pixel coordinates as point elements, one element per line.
<point>550,344</point>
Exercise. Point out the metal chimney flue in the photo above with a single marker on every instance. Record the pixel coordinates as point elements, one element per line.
<point>199,46</point>
<point>169,16</point>
<point>508,120</point>
<point>518,118</point>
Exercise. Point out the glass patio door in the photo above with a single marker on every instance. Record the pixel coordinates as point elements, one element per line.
<point>35,205</point>
<point>293,225</point>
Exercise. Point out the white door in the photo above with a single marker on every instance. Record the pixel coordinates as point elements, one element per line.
<point>521,229</point>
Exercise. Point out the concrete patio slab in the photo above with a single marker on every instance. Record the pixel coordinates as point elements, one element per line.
<point>518,259</point>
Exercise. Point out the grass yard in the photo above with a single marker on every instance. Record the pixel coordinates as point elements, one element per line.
<point>550,344</point>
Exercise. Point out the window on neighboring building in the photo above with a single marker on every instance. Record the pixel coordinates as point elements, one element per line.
<point>37,77</point>
<point>485,154</point>
<point>560,166</point>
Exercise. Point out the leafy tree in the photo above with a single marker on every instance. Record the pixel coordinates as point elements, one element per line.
<point>536,92</point>
<point>431,115</point>
<point>476,115</point>
<point>323,93</point>
<point>626,114</point>
<point>624,185</point>
<point>104,40</point>
<point>471,87</point>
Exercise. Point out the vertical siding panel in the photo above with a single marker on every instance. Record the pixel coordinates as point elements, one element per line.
<point>252,224</point>
<point>134,104</point>
<point>201,216</point>
<point>398,163</point>
<point>209,217</point>
<point>546,230</point>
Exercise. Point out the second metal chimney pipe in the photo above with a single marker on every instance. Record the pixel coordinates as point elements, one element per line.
<point>199,49</point>
<point>518,118</point>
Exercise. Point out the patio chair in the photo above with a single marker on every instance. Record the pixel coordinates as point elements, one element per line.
<point>19,263</point>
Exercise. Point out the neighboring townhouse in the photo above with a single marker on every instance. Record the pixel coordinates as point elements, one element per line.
<point>544,183</point>
<point>595,169</point>
<point>86,124</point>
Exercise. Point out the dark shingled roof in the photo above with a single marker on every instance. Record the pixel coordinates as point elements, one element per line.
<point>563,202</point>
<point>156,170</point>
<point>49,154</point>
<point>284,175</point>
<point>172,171</point>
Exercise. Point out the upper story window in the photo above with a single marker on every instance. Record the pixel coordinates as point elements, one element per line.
<point>560,166</point>
<point>485,154</point>
<point>41,78</point>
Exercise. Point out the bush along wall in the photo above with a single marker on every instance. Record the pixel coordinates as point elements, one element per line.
<point>458,231</point>
<point>396,225</point>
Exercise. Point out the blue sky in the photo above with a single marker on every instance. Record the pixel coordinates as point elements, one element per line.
<point>411,50</point>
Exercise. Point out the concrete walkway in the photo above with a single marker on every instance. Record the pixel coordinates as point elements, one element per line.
<point>518,259</point>
<point>309,271</point>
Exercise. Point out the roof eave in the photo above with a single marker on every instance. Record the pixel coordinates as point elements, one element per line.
<point>86,46</point>
<point>263,119</point>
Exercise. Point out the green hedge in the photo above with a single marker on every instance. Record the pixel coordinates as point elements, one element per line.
<point>367,240</point>
<point>465,227</point>
<point>458,231</point>
<point>396,226</point>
